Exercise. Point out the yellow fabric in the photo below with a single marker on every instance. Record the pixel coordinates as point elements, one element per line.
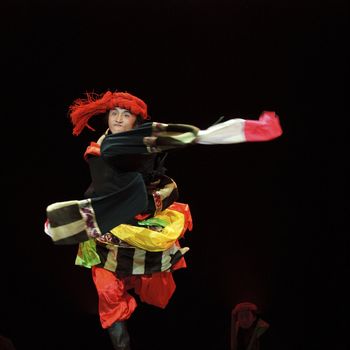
<point>150,240</point>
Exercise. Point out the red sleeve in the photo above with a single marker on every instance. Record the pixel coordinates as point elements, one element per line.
<point>94,149</point>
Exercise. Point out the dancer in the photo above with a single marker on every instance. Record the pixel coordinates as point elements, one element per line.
<point>130,224</point>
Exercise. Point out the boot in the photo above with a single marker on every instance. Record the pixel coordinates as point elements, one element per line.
<point>119,336</point>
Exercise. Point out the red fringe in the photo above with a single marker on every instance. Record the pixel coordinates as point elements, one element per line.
<point>83,109</point>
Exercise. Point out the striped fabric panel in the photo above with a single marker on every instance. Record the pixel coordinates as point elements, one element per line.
<point>153,262</point>
<point>63,213</point>
<point>124,260</point>
<point>128,261</point>
<point>138,265</point>
<point>164,193</point>
<point>169,136</point>
<point>111,259</point>
<point>72,222</point>
<point>178,253</point>
<point>169,191</point>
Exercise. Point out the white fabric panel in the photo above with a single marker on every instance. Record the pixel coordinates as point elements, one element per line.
<point>230,131</point>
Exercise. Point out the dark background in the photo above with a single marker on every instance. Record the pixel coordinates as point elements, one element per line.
<point>269,217</point>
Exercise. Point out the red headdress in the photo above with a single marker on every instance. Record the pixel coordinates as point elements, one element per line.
<point>83,109</point>
<point>245,306</point>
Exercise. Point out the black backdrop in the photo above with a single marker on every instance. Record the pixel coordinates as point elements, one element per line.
<point>269,218</point>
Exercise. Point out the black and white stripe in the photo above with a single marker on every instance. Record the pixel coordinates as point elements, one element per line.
<point>134,261</point>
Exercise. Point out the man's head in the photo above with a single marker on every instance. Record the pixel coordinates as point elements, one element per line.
<point>120,119</point>
<point>121,104</point>
<point>245,314</point>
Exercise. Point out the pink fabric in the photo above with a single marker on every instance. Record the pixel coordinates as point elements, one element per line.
<point>266,128</point>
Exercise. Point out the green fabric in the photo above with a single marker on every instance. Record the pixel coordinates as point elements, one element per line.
<point>87,255</point>
<point>153,222</point>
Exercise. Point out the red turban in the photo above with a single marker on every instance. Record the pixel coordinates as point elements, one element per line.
<point>83,109</point>
<point>245,306</point>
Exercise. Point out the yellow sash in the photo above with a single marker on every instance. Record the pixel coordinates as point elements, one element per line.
<point>151,240</point>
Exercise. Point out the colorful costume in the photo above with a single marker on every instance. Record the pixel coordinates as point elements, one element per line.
<point>142,251</point>
<point>129,225</point>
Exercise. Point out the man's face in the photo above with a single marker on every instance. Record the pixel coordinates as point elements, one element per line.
<point>120,120</point>
<point>245,318</point>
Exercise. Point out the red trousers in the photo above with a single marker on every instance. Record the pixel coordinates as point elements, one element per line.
<point>116,304</point>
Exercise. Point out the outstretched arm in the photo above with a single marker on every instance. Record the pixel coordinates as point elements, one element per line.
<point>148,138</point>
<point>158,137</point>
